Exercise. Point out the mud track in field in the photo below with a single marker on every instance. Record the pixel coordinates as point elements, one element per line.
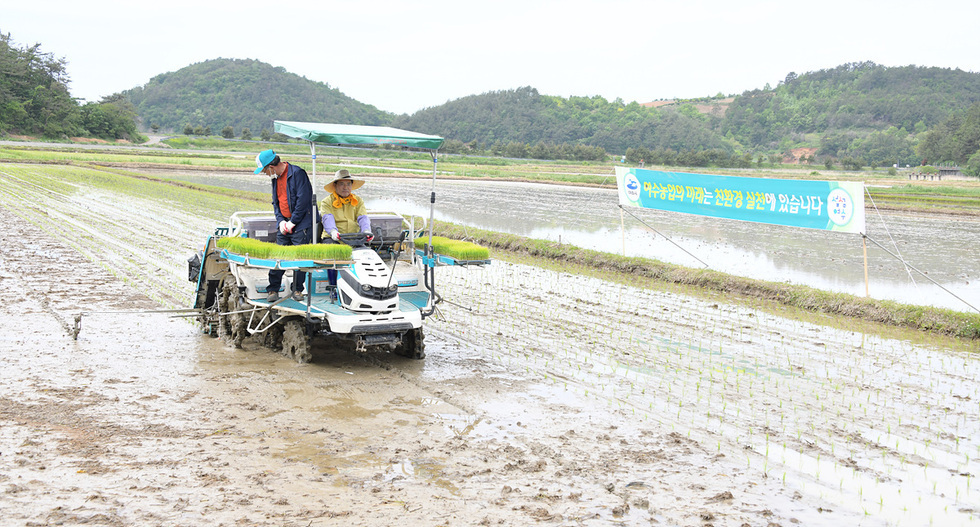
<point>540,402</point>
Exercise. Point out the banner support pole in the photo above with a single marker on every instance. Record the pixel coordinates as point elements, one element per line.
<point>622,228</point>
<point>867,289</point>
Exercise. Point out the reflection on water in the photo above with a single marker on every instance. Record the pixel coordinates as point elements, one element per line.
<point>590,218</point>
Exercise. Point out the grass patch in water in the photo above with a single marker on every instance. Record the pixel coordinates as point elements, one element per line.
<point>266,250</point>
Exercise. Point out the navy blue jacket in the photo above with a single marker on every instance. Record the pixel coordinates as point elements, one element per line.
<point>299,194</point>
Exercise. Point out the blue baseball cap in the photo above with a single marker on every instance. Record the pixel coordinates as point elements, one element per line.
<point>263,159</point>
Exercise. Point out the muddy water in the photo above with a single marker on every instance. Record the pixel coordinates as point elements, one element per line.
<point>547,398</point>
<point>143,421</point>
<point>941,247</point>
<point>865,422</point>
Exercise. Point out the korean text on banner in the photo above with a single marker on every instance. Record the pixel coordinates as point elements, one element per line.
<point>826,205</point>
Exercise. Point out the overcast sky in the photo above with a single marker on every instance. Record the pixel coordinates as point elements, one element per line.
<point>402,56</point>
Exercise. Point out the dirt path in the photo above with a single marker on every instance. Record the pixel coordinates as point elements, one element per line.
<point>541,402</point>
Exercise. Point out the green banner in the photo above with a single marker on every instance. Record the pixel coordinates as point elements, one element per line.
<point>826,205</point>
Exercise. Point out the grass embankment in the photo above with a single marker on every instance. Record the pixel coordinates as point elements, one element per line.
<point>67,155</point>
<point>923,318</point>
<point>939,199</point>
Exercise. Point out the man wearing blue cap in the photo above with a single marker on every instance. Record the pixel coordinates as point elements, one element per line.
<point>292,200</point>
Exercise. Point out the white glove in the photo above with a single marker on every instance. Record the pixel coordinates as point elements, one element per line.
<point>282,226</point>
<point>335,235</point>
<point>289,227</point>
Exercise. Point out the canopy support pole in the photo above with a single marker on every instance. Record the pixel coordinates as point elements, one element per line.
<point>315,226</point>
<point>432,200</point>
<point>430,269</point>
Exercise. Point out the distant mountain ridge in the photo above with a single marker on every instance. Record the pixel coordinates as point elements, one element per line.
<point>243,93</point>
<point>856,97</point>
<point>858,110</point>
<point>525,116</point>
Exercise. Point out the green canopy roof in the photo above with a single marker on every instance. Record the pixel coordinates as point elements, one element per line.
<point>350,134</point>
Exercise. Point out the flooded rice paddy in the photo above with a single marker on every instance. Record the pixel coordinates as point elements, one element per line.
<point>590,218</point>
<point>875,426</point>
<point>546,396</point>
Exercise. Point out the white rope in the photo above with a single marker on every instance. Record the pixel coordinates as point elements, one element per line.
<point>665,236</point>
<point>894,243</point>
<point>920,272</point>
<point>645,224</point>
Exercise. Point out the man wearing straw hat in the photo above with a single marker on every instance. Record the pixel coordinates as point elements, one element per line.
<point>292,197</point>
<point>348,213</point>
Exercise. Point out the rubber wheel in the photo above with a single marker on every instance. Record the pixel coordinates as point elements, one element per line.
<point>209,320</point>
<point>223,325</point>
<point>412,345</point>
<point>232,327</point>
<point>224,322</point>
<point>272,338</point>
<point>295,342</point>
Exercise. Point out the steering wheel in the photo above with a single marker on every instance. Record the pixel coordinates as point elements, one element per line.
<point>354,239</point>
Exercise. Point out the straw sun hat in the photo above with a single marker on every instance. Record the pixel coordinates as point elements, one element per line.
<point>343,175</point>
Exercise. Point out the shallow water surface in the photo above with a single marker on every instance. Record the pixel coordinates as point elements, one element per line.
<point>543,393</point>
<point>940,247</point>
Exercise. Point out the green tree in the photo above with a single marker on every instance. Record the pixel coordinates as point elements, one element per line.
<point>453,146</point>
<point>228,132</point>
<point>246,134</point>
<point>955,140</point>
<point>112,118</point>
<point>34,96</point>
<point>516,150</point>
<point>887,148</point>
<point>852,163</point>
<point>972,167</point>
<point>188,129</point>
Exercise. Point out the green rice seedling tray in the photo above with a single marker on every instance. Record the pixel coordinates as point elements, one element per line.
<point>454,252</point>
<point>257,253</point>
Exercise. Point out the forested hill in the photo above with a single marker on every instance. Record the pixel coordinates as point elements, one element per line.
<point>525,116</point>
<point>862,112</point>
<point>852,99</point>
<point>857,114</point>
<point>243,94</point>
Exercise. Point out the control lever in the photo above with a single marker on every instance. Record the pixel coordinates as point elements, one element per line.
<point>401,244</point>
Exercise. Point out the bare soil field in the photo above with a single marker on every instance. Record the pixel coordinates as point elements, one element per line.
<point>546,397</point>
